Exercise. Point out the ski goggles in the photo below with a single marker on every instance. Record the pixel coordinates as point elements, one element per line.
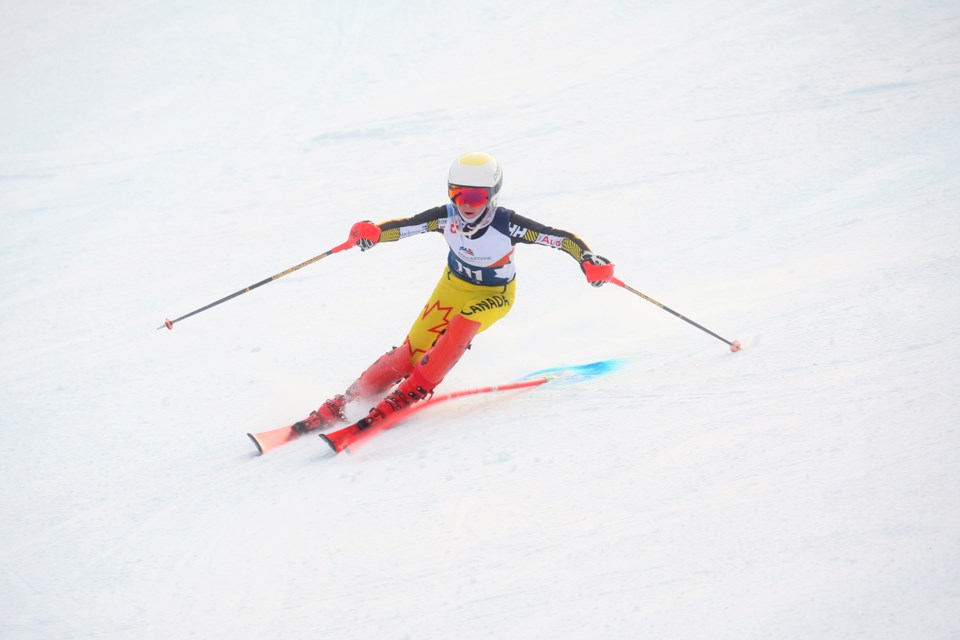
<point>469,196</point>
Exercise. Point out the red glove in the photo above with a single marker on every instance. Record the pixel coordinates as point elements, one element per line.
<point>366,234</point>
<point>597,269</point>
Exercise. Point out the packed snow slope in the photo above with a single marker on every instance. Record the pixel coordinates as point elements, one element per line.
<point>784,173</point>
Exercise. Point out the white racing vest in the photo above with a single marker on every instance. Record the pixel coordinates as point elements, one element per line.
<point>486,260</point>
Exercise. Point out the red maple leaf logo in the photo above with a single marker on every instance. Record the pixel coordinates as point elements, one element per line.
<point>429,309</point>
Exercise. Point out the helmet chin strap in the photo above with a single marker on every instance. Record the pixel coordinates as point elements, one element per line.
<point>483,220</point>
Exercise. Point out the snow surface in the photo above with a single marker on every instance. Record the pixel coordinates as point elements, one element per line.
<point>784,173</point>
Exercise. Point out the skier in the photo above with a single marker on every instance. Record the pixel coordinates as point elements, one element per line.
<point>476,289</point>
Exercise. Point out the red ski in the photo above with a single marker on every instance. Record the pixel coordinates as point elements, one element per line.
<point>270,440</point>
<point>274,438</point>
<point>339,440</point>
<point>353,435</point>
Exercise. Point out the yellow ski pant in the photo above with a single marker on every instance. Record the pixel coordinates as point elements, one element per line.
<point>483,304</point>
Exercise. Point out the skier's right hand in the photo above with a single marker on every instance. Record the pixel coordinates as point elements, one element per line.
<point>365,233</point>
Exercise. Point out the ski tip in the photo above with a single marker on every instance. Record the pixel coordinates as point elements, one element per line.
<point>329,442</point>
<point>256,443</point>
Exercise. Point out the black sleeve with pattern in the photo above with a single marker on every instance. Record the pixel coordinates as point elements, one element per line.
<point>531,232</point>
<point>429,220</point>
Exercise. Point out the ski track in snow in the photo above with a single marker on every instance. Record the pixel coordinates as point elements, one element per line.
<point>783,174</point>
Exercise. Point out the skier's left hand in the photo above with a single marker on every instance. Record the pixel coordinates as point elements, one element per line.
<point>366,234</point>
<point>598,269</point>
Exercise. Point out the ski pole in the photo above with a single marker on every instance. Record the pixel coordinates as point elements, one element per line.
<point>734,346</point>
<point>168,323</point>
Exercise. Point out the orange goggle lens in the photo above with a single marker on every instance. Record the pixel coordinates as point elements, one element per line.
<point>469,196</point>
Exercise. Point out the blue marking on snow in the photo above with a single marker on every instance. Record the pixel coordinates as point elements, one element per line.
<point>579,372</point>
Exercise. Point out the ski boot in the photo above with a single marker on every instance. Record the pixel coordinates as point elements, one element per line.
<point>411,390</point>
<point>389,369</point>
<point>328,414</point>
<point>428,373</point>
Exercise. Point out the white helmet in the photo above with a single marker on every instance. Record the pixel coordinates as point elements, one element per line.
<point>473,185</point>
